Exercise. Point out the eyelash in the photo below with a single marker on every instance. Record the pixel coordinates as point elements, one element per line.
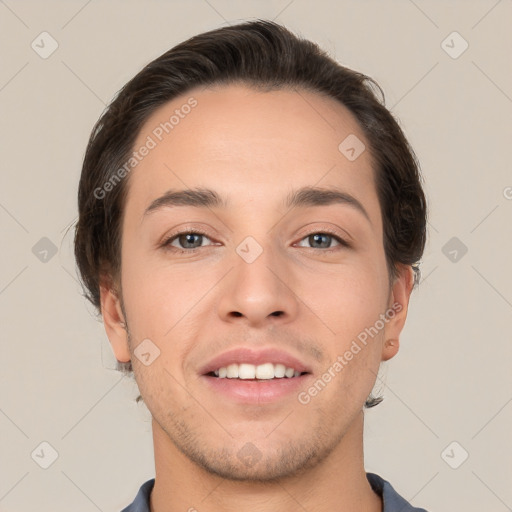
<point>166,244</point>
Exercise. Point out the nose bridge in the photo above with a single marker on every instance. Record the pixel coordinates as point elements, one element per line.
<point>257,288</point>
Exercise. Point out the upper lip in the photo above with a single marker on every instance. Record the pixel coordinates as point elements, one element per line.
<point>255,357</point>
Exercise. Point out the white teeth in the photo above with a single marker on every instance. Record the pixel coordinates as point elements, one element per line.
<point>232,371</point>
<point>246,371</point>
<point>279,370</point>
<point>264,371</point>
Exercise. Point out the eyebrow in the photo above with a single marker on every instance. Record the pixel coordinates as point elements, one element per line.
<point>315,196</point>
<point>207,198</point>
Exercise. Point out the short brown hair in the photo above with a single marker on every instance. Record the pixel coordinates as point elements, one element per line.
<point>265,56</point>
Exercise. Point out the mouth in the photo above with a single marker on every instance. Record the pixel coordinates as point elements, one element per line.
<point>262,381</point>
<point>255,376</point>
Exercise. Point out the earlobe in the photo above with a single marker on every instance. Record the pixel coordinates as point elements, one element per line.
<point>390,349</point>
<point>115,324</point>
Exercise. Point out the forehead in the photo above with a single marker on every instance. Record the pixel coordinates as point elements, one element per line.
<point>250,144</point>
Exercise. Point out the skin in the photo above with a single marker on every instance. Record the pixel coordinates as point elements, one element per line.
<point>254,148</point>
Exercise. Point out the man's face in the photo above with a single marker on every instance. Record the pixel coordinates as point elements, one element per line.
<point>298,282</point>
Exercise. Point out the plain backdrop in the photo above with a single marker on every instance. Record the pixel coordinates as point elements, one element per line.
<point>448,392</point>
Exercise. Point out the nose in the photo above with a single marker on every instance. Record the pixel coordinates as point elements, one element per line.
<point>259,292</point>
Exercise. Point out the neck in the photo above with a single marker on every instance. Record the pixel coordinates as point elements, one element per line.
<point>336,483</point>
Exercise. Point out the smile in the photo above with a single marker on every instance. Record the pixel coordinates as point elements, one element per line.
<point>247,371</point>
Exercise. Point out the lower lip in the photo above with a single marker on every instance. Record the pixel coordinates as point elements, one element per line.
<point>256,391</point>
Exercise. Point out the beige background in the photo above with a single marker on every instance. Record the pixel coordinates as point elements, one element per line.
<point>452,378</point>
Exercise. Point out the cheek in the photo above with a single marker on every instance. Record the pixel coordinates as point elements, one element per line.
<point>348,299</point>
<point>164,302</point>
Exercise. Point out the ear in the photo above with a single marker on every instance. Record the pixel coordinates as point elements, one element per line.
<point>114,322</point>
<point>397,311</point>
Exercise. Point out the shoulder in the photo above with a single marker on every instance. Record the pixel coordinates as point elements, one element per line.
<point>392,501</point>
<point>141,501</point>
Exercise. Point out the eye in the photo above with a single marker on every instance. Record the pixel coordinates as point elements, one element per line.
<point>323,240</point>
<point>190,241</point>
<point>186,241</point>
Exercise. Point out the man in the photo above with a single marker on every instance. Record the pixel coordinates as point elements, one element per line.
<point>250,219</point>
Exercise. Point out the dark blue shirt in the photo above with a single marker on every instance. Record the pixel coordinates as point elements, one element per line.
<point>392,501</point>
